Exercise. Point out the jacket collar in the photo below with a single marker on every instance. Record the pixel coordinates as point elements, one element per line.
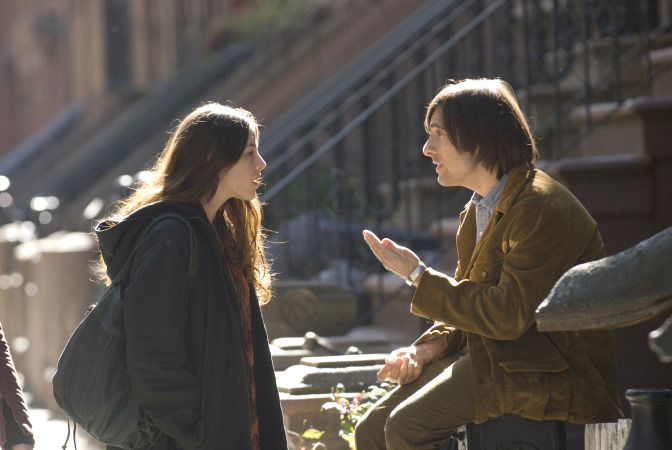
<point>467,249</point>
<point>518,178</point>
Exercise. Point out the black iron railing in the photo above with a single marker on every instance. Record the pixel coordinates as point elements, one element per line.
<point>350,156</point>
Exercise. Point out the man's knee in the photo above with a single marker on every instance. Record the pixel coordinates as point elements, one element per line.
<point>362,427</point>
<point>369,430</point>
<point>402,427</point>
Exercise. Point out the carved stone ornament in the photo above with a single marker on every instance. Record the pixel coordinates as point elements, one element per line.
<point>616,291</point>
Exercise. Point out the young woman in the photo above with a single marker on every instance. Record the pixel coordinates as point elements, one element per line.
<point>197,348</point>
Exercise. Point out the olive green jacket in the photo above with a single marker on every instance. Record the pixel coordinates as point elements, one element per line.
<point>538,230</point>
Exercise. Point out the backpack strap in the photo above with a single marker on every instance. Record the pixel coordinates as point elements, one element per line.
<point>192,246</point>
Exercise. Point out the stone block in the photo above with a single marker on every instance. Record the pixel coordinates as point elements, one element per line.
<point>303,379</point>
<point>305,411</point>
<point>607,436</point>
<point>638,126</point>
<point>288,351</point>
<point>301,306</point>
<point>344,360</point>
<point>661,59</point>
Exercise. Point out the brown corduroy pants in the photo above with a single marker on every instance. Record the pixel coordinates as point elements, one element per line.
<point>424,413</point>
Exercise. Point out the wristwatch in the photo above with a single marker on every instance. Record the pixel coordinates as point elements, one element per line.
<point>416,273</point>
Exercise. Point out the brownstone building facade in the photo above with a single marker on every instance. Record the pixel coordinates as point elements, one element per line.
<point>54,53</point>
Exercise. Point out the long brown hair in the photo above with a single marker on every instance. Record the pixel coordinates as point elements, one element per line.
<point>483,117</point>
<point>208,141</point>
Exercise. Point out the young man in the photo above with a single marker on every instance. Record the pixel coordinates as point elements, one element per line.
<point>519,233</point>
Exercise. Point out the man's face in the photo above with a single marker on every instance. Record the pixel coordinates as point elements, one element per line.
<point>454,168</point>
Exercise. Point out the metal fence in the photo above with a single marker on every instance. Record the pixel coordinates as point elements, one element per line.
<point>349,157</point>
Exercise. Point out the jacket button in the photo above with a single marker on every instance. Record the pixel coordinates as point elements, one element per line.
<point>484,274</point>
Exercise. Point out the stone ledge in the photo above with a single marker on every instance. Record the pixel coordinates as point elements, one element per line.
<point>637,126</point>
<point>603,436</point>
<point>345,360</point>
<point>302,379</point>
<point>609,185</point>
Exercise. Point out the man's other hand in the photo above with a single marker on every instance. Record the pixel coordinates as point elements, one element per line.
<point>402,366</point>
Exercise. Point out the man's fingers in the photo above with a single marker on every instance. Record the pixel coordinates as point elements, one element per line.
<point>390,245</point>
<point>411,375</point>
<point>382,252</point>
<point>383,373</point>
<point>403,370</point>
<point>370,237</point>
<point>374,243</point>
<point>386,372</point>
<point>389,371</point>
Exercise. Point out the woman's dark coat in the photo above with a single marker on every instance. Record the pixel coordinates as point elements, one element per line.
<point>185,353</point>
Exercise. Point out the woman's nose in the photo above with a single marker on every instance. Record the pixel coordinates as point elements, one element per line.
<point>262,163</point>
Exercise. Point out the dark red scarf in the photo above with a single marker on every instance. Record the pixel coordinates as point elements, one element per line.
<point>243,297</point>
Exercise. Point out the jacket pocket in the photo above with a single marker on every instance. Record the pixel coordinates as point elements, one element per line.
<point>537,390</point>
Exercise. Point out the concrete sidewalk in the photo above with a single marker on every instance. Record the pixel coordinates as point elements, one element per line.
<point>51,431</point>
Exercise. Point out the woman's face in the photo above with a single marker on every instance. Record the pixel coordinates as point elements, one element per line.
<point>242,179</point>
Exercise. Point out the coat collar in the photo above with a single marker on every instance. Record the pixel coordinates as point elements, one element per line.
<point>115,241</point>
<point>518,178</point>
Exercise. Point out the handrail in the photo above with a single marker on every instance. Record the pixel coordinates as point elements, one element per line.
<point>410,76</point>
<point>327,176</point>
<point>581,97</point>
<point>360,69</point>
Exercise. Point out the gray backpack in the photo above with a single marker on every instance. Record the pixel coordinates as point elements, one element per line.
<point>91,384</point>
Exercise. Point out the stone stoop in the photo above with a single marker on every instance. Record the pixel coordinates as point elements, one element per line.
<point>661,59</point>
<point>301,306</point>
<point>636,127</point>
<point>290,351</point>
<point>625,191</point>
<point>601,59</point>
<point>270,85</point>
<point>304,389</point>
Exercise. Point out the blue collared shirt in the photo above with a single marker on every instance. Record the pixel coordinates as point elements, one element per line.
<point>485,205</point>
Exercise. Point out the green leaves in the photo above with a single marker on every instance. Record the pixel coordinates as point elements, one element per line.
<point>312,433</point>
<point>351,408</point>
